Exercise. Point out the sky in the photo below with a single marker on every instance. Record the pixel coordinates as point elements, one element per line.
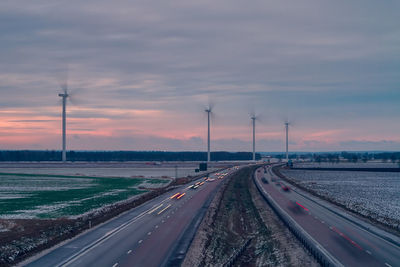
<point>141,74</point>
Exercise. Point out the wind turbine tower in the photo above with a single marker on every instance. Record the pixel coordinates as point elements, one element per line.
<point>253,118</point>
<point>287,141</point>
<point>208,110</point>
<point>64,120</point>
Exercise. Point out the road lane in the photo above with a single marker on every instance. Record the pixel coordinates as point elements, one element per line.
<point>347,242</point>
<point>140,237</point>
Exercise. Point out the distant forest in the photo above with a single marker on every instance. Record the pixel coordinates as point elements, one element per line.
<point>47,155</point>
<point>347,156</point>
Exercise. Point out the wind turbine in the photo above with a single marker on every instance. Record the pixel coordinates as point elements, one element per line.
<point>287,140</point>
<point>64,96</point>
<point>209,111</point>
<point>253,118</point>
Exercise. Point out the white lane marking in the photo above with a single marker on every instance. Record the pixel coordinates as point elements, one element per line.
<point>168,216</point>
<point>129,252</point>
<point>162,221</point>
<point>369,252</point>
<point>99,241</point>
<point>149,233</point>
<point>156,208</point>
<point>330,227</point>
<point>156,226</point>
<point>387,264</point>
<point>161,211</point>
<point>322,221</point>
<point>140,241</point>
<point>115,265</point>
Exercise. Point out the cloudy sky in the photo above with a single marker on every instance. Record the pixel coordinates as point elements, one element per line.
<point>142,72</point>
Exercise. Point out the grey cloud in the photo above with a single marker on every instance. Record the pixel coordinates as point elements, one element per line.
<point>315,60</point>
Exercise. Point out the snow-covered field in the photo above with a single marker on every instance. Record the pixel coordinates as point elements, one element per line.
<point>372,164</point>
<point>110,169</point>
<point>27,196</point>
<point>107,172</point>
<point>373,194</point>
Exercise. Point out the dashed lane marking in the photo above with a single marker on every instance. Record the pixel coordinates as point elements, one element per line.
<point>129,252</point>
<point>387,264</point>
<point>161,211</point>
<point>115,265</point>
<point>369,252</point>
<point>149,233</point>
<point>156,208</point>
<point>140,241</point>
<point>156,226</point>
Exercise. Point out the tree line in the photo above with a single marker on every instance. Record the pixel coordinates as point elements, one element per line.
<point>346,156</point>
<point>54,155</point>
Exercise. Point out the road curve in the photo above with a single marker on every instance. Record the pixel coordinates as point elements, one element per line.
<point>350,244</point>
<point>143,236</point>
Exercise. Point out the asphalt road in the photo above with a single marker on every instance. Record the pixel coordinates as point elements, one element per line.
<point>349,243</point>
<point>143,236</point>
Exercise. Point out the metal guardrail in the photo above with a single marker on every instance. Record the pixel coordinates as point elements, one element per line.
<point>318,252</point>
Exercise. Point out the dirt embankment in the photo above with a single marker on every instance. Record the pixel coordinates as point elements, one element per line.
<point>240,228</point>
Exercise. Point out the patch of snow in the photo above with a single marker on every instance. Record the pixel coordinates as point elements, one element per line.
<point>373,194</point>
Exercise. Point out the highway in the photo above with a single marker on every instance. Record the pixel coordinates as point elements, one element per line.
<point>143,236</point>
<point>339,234</point>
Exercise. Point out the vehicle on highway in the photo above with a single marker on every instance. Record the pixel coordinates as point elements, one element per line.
<point>180,195</point>
<point>285,188</point>
<point>175,195</point>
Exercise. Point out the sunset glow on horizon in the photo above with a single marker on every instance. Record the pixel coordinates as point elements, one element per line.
<point>141,74</point>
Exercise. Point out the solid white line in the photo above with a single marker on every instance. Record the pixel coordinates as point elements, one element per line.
<point>129,252</point>
<point>99,241</point>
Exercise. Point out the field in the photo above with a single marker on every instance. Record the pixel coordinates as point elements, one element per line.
<point>373,194</point>
<point>370,164</point>
<point>109,169</point>
<point>30,196</point>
